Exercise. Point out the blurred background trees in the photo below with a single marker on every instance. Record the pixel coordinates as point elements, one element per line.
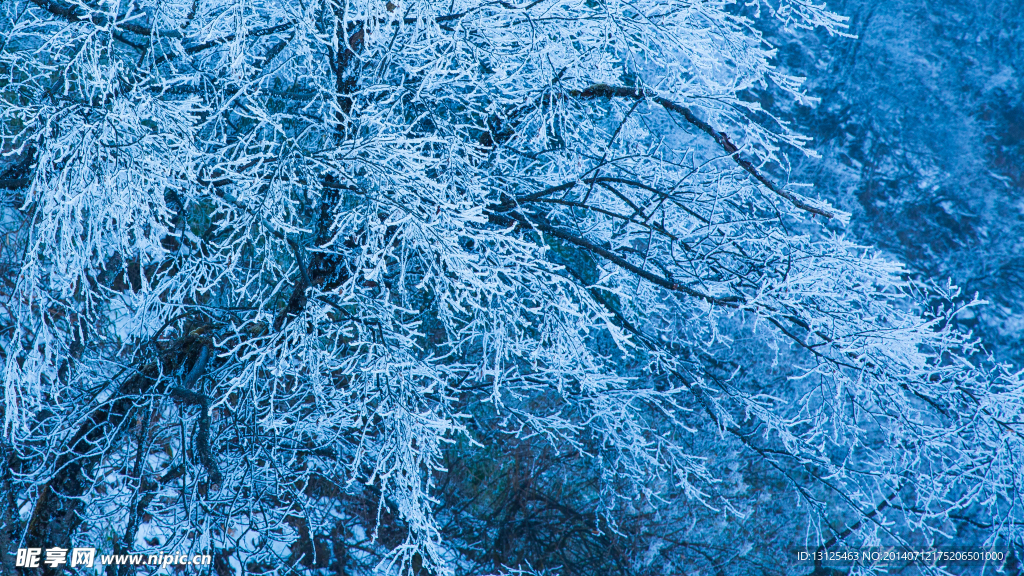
<point>921,132</point>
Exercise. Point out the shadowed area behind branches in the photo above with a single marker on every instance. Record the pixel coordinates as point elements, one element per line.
<point>921,132</point>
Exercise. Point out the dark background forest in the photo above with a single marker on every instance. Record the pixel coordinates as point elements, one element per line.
<point>921,133</point>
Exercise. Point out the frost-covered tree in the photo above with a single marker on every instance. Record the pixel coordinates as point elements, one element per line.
<point>459,287</point>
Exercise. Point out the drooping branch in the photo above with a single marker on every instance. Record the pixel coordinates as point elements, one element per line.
<point>853,527</point>
<point>606,91</point>
<point>509,218</point>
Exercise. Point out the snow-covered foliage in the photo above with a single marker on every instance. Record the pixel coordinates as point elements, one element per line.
<point>297,284</point>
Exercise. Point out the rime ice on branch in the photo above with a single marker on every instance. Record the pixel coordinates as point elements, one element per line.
<point>458,287</point>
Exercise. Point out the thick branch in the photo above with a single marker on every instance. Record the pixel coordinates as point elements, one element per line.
<point>191,397</point>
